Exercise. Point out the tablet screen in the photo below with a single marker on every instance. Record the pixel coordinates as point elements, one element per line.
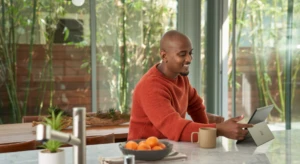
<point>260,114</point>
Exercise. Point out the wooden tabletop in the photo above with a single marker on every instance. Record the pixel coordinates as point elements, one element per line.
<point>11,133</point>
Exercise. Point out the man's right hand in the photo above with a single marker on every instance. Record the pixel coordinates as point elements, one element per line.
<point>233,130</point>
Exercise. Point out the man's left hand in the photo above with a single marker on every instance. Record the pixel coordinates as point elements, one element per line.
<point>212,118</point>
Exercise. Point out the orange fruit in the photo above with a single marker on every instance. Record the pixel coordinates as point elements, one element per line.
<point>143,146</point>
<point>156,148</point>
<point>142,142</point>
<point>161,145</point>
<point>131,145</point>
<point>152,141</point>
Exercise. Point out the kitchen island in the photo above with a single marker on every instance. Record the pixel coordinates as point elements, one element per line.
<point>284,149</point>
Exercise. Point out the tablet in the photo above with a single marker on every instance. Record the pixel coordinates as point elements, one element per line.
<point>258,116</point>
<point>261,133</point>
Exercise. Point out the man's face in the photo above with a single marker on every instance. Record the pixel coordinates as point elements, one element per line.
<point>179,57</point>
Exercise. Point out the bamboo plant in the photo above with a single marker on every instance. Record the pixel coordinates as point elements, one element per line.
<point>153,24</point>
<point>13,23</point>
<point>12,18</point>
<point>54,10</point>
<point>253,17</point>
<point>134,43</point>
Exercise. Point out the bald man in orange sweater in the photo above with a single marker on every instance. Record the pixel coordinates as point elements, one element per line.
<point>164,95</point>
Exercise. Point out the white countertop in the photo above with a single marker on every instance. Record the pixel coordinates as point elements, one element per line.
<point>285,148</point>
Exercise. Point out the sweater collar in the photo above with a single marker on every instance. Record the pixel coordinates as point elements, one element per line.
<point>160,74</point>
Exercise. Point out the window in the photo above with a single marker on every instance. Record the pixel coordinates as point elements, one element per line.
<point>69,30</point>
<point>53,61</point>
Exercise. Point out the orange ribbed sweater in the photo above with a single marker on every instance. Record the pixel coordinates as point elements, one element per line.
<point>160,105</point>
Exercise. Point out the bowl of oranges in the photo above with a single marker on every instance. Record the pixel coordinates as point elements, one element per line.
<point>150,149</point>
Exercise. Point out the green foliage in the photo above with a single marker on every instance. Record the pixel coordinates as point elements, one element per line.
<point>132,29</point>
<point>54,10</point>
<point>112,114</point>
<point>262,28</point>
<point>52,145</point>
<point>20,18</point>
<point>55,122</point>
<point>14,23</point>
<point>128,43</point>
<point>56,110</point>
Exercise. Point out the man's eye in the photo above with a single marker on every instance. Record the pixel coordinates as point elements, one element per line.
<point>182,54</point>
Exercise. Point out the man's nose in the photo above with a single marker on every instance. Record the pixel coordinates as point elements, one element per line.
<point>189,58</point>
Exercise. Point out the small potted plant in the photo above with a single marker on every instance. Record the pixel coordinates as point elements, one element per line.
<point>52,154</point>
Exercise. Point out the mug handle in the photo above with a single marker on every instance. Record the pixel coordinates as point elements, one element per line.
<point>193,135</point>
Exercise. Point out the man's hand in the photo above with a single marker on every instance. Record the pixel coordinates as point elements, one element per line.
<point>212,118</point>
<point>233,130</point>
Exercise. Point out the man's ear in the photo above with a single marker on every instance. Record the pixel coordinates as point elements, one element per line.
<point>162,54</point>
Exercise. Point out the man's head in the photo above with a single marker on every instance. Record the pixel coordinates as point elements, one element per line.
<point>176,54</point>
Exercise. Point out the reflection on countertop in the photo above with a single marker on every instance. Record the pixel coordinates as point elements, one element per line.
<point>283,149</point>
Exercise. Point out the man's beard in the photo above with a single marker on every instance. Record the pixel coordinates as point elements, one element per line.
<point>184,73</point>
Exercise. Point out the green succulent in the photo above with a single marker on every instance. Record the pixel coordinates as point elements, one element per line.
<point>55,122</point>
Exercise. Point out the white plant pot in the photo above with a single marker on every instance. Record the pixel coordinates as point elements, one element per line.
<point>52,158</point>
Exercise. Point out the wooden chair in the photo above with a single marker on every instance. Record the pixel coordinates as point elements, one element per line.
<point>20,146</point>
<point>93,140</point>
<point>26,119</point>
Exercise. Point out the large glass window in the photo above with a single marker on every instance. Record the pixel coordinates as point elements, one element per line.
<point>128,34</point>
<point>40,57</point>
<point>294,50</point>
<point>202,92</point>
<point>45,53</point>
<point>263,42</point>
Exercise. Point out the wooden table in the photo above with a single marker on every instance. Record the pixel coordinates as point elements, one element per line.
<point>11,133</point>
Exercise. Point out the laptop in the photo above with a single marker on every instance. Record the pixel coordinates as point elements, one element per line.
<point>260,132</point>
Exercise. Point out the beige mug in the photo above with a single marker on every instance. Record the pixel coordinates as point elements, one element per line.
<point>206,137</point>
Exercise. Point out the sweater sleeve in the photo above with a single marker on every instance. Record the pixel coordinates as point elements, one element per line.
<point>196,108</point>
<point>157,105</point>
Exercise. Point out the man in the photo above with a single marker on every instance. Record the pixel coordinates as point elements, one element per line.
<point>164,95</point>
